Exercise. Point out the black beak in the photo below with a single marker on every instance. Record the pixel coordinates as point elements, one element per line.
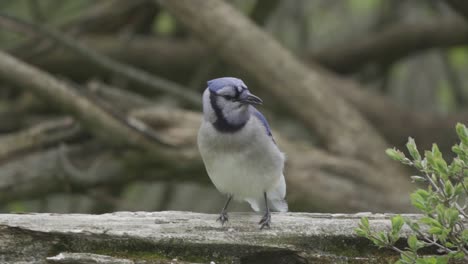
<point>252,99</point>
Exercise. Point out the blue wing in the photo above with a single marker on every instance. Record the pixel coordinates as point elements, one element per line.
<point>264,122</point>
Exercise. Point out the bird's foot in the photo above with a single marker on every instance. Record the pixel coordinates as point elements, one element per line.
<point>265,221</point>
<point>223,218</point>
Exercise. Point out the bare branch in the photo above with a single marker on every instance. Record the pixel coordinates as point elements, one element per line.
<point>98,167</point>
<point>169,57</point>
<point>70,100</point>
<point>459,6</point>
<point>396,123</point>
<point>260,14</point>
<point>262,10</point>
<point>116,67</point>
<point>391,44</point>
<point>384,47</point>
<point>122,99</point>
<point>100,17</point>
<point>44,134</point>
<point>111,16</point>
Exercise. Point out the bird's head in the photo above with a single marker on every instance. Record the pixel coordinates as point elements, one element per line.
<point>228,98</point>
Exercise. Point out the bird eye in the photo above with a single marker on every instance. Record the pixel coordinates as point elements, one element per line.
<point>228,97</point>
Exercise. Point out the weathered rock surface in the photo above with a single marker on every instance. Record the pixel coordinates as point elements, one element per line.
<point>185,237</point>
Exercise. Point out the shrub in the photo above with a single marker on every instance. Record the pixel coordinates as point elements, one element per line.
<point>443,204</point>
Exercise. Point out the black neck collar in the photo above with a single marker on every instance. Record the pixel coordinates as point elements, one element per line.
<point>221,124</point>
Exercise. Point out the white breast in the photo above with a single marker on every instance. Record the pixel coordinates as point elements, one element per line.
<point>245,163</point>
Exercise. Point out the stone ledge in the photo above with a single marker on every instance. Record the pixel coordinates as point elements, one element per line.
<point>186,237</point>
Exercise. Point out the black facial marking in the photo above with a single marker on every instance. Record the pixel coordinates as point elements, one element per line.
<point>228,97</point>
<point>236,89</point>
<point>221,124</point>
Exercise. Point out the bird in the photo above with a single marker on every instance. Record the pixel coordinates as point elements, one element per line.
<point>238,150</point>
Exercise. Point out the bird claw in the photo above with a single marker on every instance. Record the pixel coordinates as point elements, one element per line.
<point>265,221</point>
<point>223,218</point>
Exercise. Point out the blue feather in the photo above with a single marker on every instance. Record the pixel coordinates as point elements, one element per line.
<point>264,122</point>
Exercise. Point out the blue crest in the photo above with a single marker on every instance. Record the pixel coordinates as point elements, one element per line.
<point>216,84</point>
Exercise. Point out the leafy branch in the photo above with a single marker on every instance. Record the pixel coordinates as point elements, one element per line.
<point>443,203</point>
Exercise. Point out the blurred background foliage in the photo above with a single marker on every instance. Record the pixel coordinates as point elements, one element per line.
<point>431,80</point>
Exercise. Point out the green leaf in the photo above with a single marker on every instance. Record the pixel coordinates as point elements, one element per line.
<point>412,149</point>
<point>416,178</point>
<point>423,165</point>
<point>413,243</point>
<point>395,154</point>
<point>451,216</point>
<point>435,151</point>
<point>449,190</point>
<point>458,189</point>
<point>449,245</point>
<point>433,260</point>
<point>438,162</point>
<point>429,260</point>
<point>442,260</point>
<point>462,152</point>
<point>418,164</point>
<point>377,242</point>
<point>457,255</point>
<point>440,211</point>
<point>465,236</point>
<point>397,224</point>
<point>380,239</point>
<point>420,200</point>
<point>434,177</point>
<point>430,159</point>
<point>423,193</point>
<point>435,230</point>
<point>442,168</point>
<point>408,257</point>
<point>365,222</point>
<point>361,232</point>
<point>384,238</point>
<point>457,150</point>
<point>462,132</point>
<point>413,225</point>
<point>456,166</point>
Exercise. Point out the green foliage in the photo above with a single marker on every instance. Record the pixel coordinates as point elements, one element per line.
<point>458,56</point>
<point>165,24</point>
<point>445,96</point>
<point>364,6</point>
<point>16,207</point>
<point>443,204</point>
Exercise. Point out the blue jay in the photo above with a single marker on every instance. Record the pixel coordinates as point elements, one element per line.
<point>238,149</point>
